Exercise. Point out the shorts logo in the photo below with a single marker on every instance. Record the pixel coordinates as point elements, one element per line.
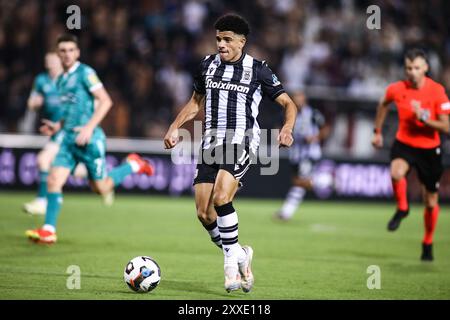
<point>438,150</point>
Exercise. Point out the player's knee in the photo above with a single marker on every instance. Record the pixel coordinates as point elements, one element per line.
<point>202,215</point>
<point>43,161</point>
<point>397,174</point>
<point>54,182</point>
<point>430,201</point>
<point>220,198</point>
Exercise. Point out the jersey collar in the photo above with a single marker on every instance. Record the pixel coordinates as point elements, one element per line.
<point>74,67</point>
<point>237,61</point>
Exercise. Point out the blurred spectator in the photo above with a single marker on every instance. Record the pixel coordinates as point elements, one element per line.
<point>146,51</point>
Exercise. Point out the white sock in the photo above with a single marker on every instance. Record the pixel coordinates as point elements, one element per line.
<point>49,227</point>
<point>134,165</point>
<point>293,199</point>
<point>227,221</point>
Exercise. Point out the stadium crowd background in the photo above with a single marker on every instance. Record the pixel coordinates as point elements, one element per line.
<point>146,51</point>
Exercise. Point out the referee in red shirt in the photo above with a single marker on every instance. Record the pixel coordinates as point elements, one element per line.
<point>423,109</point>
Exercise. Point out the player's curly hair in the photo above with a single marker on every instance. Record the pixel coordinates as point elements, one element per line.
<point>233,22</point>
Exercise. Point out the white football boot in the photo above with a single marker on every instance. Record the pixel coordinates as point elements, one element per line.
<point>36,207</point>
<point>245,270</point>
<point>231,271</point>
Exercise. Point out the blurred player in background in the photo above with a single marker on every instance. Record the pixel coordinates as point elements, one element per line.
<point>309,131</point>
<point>230,86</point>
<point>84,140</point>
<point>423,109</point>
<point>45,95</point>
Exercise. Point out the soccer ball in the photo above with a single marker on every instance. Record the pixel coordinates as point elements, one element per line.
<point>142,274</point>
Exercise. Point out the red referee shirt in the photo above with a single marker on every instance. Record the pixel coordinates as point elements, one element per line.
<point>430,96</point>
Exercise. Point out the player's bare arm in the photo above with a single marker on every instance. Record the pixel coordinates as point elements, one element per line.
<point>382,111</point>
<point>35,101</point>
<point>285,138</point>
<point>104,104</point>
<point>189,111</point>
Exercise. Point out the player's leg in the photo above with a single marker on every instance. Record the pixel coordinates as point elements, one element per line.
<point>44,161</point>
<point>105,184</point>
<point>301,183</point>
<point>399,169</point>
<point>206,213</point>
<point>56,180</point>
<point>94,158</point>
<point>430,215</point>
<point>227,222</point>
<point>237,258</point>
<point>62,165</point>
<point>429,170</point>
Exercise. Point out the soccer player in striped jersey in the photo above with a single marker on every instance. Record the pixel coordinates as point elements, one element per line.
<point>423,108</point>
<point>229,86</point>
<point>84,140</point>
<point>309,131</point>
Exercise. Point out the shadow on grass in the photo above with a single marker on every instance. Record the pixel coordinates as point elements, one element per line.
<point>193,287</point>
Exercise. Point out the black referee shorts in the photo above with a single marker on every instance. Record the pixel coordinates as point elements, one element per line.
<point>234,158</point>
<point>428,163</point>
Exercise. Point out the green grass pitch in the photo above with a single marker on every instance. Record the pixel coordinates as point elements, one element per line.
<point>323,253</point>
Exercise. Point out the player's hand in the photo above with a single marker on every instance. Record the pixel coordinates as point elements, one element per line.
<point>285,138</point>
<point>171,138</point>
<point>35,102</point>
<point>49,128</point>
<point>84,135</point>
<point>377,140</point>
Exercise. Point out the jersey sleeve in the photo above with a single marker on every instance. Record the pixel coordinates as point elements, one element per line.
<point>442,104</point>
<point>90,80</point>
<point>270,84</point>
<point>390,93</point>
<point>37,87</point>
<point>199,81</point>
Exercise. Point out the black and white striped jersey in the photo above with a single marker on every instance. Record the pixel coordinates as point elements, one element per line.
<point>308,123</point>
<point>233,92</point>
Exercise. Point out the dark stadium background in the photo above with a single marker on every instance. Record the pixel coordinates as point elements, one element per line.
<point>145,53</point>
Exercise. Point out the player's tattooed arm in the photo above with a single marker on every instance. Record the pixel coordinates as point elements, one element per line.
<point>189,111</point>
<point>382,111</point>
<point>285,138</point>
